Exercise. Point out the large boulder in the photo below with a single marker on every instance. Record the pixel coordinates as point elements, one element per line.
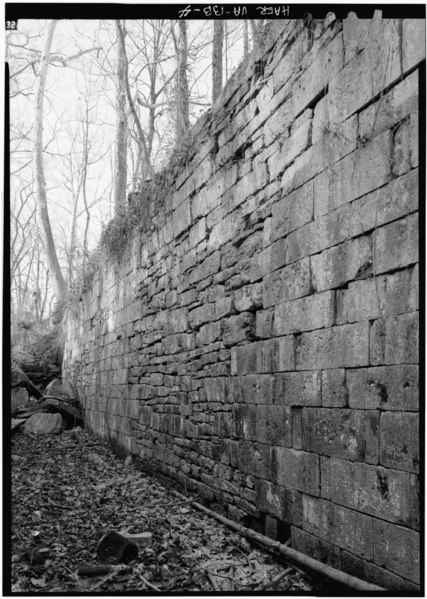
<point>44,424</point>
<point>19,397</point>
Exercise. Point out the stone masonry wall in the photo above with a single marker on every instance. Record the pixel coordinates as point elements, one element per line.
<point>260,345</point>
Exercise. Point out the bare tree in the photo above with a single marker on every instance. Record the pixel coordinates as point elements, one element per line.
<point>58,281</point>
<point>141,136</point>
<point>120,170</point>
<point>217,52</point>
<point>245,38</point>
<point>182,100</point>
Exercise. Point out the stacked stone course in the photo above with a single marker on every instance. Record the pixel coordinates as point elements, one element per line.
<point>260,344</point>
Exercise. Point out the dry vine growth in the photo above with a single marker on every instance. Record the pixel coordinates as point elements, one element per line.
<point>71,489</point>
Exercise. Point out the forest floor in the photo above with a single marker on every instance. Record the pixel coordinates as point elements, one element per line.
<point>68,490</point>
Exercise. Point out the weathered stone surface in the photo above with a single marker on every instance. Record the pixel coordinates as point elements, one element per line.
<point>314,547</point>
<point>334,388</point>
<point>254,388</point>
<point>44,424</point>
<point>342,263</point>
<point>396,244</point>
<point>296,470</point>
<point>413,42</point>
<point>236,329</point>
<point>293,211</point>
<point>397,549</point>
<point>399,441</point>
<point>339,526</point>
<point>336,347</point>
<point>381,492</point>
<point>285,504</point>
<point>384,387</point>
<point>18,397</point>
<point>350,434</point>
<point>305,314</point>
<point>402,339</point>
<point>289,283</point>
<point>298,388</point>
<point>354,176</point>
<point>372,573</point>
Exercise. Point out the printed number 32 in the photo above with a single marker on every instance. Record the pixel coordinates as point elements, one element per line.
<point>11,25</point>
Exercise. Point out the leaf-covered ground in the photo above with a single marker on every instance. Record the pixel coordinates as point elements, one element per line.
<point>68,490</point>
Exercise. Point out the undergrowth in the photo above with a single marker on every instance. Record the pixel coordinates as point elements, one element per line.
<point>142,206</point>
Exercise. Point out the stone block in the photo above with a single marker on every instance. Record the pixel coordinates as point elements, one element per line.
<point>370,68</point>
<point>260,264</point>
<point>348,434</point>
<point>274,425</point>
<point>399,441</point>
<point>401,159</point>
<point>207,198</point>
<point>316,548</point>
<point>298,389</point>
<point>384,387</point>
<point>390,109</point>
<point>181,220</point>
<point>264,323</point>
<point>413,42</point>
<point>208,267</point>
<point>305,314</point>
<point>209,333</point>
<point>222,232</point>
<point>354,176</point>
<point>216,389</point>
<point>414,139</point>
<point>373,490</point>
<point>254,459</point>
<point>198,232</point>
<point>345,262</point>
<point>292,211</point>
<point>402,339</point>
<point>329,61</point>
<point>415,501</point>
<point>248,297</point>
<point>334,388</point>
<point>245,358</point>
<point>337,347</point>
<point>253,389</point>
<point>296,470</point>
<point>297,428</point>
<point>372,573</point>
<point>245,421</point>
<point>276,355</point>
<point>288,283</point>
<point>396,244</point>
<point>377,342</point>
<point>277,122</point>
<point>176,322</point>
<point>224,307</point>
<point>284,504</point>
<point>363,300</point>
<point>201,315</point>
<point>339,526</point>
<point>236,329</point>
<point>397,549</point>
<point>44,424</point>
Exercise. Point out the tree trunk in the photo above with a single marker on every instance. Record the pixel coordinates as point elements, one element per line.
<point>121,132</point>
<point>258,37</point>
<point>58,281</point>
<point>217,51</point>
<point>245,38</point>
<point>182,94</point>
